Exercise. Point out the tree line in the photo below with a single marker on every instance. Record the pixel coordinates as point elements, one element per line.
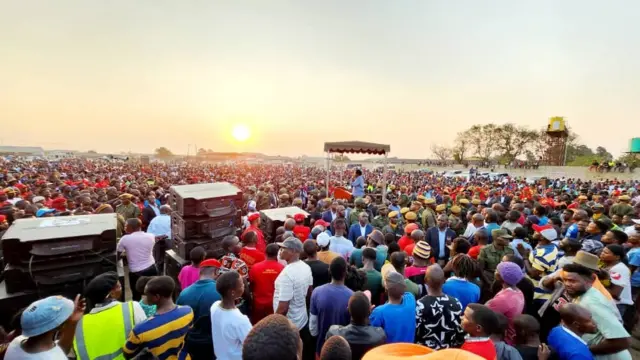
<point>505,143</point>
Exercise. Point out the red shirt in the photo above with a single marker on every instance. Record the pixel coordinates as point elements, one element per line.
<point>301,232</point>
<point>481,347</point>
<point>474,252</point>
<point>262,277</point>
<point>404,242</point>
<point>261,244</point>
<point>251,256</point>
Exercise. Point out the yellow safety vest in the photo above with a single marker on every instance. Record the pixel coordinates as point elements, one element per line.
<point>102,335</point>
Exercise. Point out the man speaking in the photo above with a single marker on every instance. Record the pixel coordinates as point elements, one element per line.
<point>357,185</point>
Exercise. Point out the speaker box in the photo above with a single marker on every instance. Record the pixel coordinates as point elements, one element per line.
<point>212,200</point>
<point>271,219</point>
<point>204,226</point>
<point>52,274</point>
<point>45,239</point>
<point>183,247</point>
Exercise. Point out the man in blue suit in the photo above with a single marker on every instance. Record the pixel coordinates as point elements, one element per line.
<point>332,213</point>
<point>439,238</point>
<point>361,228</point>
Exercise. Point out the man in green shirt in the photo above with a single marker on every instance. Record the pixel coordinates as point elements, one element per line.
<point>491,255</point>
<point>374,278</point>
<point>127,209</point>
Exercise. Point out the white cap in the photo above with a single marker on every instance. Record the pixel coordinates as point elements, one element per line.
<point>323,239</point>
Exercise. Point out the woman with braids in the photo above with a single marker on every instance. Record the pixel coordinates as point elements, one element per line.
<point>461,285</point>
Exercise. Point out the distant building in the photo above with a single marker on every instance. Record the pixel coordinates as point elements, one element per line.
<point>21,151</point>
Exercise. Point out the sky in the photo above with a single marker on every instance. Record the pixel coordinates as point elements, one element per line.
<point>124,75</point>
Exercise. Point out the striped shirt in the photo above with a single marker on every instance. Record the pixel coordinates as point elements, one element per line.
<point>543,258</point>
<point>162,335</point>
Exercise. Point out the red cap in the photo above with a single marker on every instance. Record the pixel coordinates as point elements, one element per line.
<point>410,228</point>
<point>210,263</point>
<point>321,223</point>
<point>3,218</point>
<point>253,217</point>
<point>299,217</point>
<point>541,228</point>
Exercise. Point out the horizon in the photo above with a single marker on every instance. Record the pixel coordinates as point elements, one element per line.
<point>119,76</point>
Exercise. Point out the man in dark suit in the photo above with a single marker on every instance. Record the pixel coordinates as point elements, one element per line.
<point>505,199</point>
<point>361,228</point>
<point>439,238</point>
<point>332,213</point>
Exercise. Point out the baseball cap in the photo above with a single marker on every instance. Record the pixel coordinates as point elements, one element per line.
<point>547,231</point>
<point>298,217</point>
<point>43,212</point>
<point>45,315</point>
<point>210,263</point>
<point>253,217</point>
<point>323,239</point>
<point>292,243</point>
<point>37,199</point>
<point>321,223</point>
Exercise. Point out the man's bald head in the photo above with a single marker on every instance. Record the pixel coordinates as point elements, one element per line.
<point>477,218</point>
<point>571,312</point>
<point>289,224</point>
<point>417,235</point>
<point>579,215</point>
<point>434,277</point>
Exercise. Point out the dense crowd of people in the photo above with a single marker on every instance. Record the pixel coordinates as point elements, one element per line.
<point>497,268</point>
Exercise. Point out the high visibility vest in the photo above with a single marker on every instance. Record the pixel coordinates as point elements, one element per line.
<point>102,335</point>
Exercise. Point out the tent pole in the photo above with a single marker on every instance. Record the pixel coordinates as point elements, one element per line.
<point>384,179</point>
<point>328,172</point>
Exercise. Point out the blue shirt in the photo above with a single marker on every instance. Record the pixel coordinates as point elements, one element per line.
<point>442,236</point>
<point>330,303</point>
<point>489,228</point>
<point>200,296</point>
<point>397,320</point>
<point>543,221</point>
<point>381,257</point>
<point>160,225</point>
<point>568,345</point>
<point>465,291</point>
<point>634,259</point>
<point>357,187</point>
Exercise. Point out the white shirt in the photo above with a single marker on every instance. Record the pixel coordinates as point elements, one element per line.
<point>292,285</point>
<point>160,225</point>
<point>621,275</point>
<point>341,245</point>
<point>139,248</point>
<point>471,230</point>
<point>15,352</point>
<point>229,328</point>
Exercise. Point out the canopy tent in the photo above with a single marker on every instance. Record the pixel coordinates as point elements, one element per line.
<point>358,147</point>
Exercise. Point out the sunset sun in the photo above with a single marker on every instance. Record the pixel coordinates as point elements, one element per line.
<point>241,133</point>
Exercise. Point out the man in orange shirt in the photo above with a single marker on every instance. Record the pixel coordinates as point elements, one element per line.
<point>254,225</point>
<point>262,277</point>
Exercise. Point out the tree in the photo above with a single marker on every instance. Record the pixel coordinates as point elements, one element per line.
<point>603,153</point>
<point>482,139</point>
<point>461,148</point>
<point>202,152</point>
<point>511,141</point>
<point>92,152</point>
<point>443,153</point>
<point>163,152</point>
<point>341,158</point>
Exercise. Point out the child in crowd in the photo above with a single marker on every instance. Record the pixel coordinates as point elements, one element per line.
<point>191,273</point>
<point>149,309</point>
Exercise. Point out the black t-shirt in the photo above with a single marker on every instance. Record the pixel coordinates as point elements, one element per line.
<point>319,272</point>
<point>531,353</point>
<point>526,286</point>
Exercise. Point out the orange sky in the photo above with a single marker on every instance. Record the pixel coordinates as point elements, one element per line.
<point>119,75</point>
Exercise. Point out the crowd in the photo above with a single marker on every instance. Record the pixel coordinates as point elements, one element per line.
<point>501,268</point>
